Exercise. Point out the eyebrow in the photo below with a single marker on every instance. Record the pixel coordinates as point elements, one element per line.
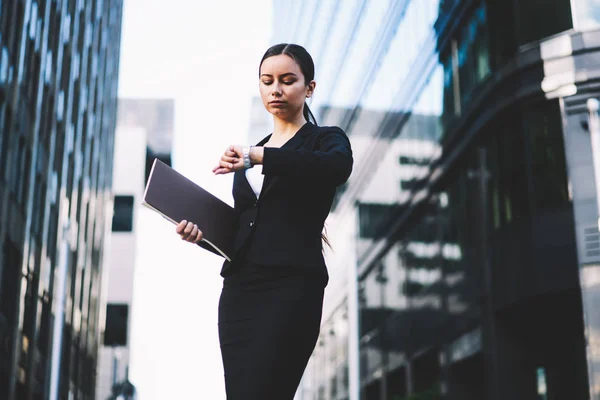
<point>282,75</point>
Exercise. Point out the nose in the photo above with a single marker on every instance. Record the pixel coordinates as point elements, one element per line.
<point>276,89</point>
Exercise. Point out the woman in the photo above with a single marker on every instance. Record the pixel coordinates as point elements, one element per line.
<point>272,298</point>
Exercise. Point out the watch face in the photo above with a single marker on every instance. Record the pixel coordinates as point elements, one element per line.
<point>246,157</point>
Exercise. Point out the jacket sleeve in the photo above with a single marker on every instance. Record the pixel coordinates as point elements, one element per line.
<point>331,162</point>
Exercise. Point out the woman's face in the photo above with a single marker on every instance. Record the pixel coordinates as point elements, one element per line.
<point>282,87</point>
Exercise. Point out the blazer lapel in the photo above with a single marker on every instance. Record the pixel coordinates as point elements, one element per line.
<point>294,143</point>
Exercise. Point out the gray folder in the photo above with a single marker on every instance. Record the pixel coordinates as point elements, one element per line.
<point>176,198</point>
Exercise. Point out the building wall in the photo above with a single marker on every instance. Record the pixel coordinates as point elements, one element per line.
<point>474,236</point>
<point>58,86</point>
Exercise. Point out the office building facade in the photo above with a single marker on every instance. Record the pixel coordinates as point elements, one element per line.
<point>144,132</point>
<point>58,92</point>
<point>467,242</point>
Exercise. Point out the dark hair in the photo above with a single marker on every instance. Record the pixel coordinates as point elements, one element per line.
<point>304,61</point>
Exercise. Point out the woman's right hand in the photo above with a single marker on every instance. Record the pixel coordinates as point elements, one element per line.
<point>189,232</point>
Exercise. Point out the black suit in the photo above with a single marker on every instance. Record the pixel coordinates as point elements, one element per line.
<point>272,298</point>
<point>283,227</point>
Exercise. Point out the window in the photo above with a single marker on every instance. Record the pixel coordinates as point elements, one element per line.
<point>39,205</point>
<point>543,129</point>
<point>374,218</point>
<point>115,333</point>
<point>43,339</point>
<point>531,26</point>
<point>9,289</point>
<point>123,214</point>
<point>507,163</point>
<point>473,53</point>
<point>21,165</point>
<point>5,135</point>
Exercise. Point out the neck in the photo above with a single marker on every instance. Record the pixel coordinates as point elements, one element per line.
<point>287,128</point>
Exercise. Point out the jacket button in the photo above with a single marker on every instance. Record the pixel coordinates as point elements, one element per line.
<point>251,223</point>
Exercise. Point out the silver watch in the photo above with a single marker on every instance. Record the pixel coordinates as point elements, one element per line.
<point>246,157</point>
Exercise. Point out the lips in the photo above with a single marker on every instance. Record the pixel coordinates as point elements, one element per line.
<point>277,103</point>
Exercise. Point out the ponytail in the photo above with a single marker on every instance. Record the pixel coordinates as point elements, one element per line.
<point>308,115</point>
<point>325,239</point>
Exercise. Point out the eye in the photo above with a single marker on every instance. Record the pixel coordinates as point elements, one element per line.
<point>289,82</point>
<point>267,82</point>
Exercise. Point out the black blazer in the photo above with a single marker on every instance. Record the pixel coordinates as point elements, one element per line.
<point>283,226</point>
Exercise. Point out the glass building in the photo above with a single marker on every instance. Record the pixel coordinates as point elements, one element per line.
<point>58,91</point>
<point>466,244</point>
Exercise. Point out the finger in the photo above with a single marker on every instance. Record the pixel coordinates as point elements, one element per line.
<point>181,226</point>
<point>222,171</point>
<point>197,234</point>
<point>230,153</point>
<point>224,164</point>
<point>229,159</point>
<point>193,234</point>
<point>187,231</point>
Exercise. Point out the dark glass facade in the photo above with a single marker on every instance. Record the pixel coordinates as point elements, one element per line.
<point>58,90</point>
<point>472,205</point>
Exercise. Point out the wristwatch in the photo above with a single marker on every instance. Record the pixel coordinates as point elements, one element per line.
<point>246,157</point>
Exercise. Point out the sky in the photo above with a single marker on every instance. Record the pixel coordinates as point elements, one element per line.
<point>205,55</point>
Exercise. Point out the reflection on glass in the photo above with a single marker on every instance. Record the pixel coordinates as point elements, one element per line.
<point>541,383</point>
<point>371,23</point>
<point>318,38</point>
<point>590,282</point>
<point>586,14</point>
<point>329,65</point>
<point>328,369</point>
<point>417,25</point>
<point>544,132</point>
<point>473,53</point>
<point>304,23</point>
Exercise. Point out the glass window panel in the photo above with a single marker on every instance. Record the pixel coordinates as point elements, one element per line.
<point>9,283</point>
<point>4,66</point>
<point>548,165</point>
<point>417,24</point>
<point>473,54</point>
<point>332,53</point>
<point>370,25</point>
<point>33,20</point>
<point>3,136</point>
<point>123,214</point>
<point>507,163</point>
<point>531,26</point>
<point>305,22</point>
<point>586,14</point>
<point>321,27</point>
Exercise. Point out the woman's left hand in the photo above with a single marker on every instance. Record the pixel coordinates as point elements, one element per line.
<point>231,161</point>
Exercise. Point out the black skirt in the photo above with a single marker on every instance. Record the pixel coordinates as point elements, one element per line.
<point>269,320</point>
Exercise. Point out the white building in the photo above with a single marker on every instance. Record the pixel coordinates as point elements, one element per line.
<point>144,131</point>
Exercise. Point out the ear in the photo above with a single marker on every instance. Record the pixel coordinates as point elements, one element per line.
<point>310,88</point>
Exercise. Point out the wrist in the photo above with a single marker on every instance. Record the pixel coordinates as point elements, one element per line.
<point>256,154</point>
